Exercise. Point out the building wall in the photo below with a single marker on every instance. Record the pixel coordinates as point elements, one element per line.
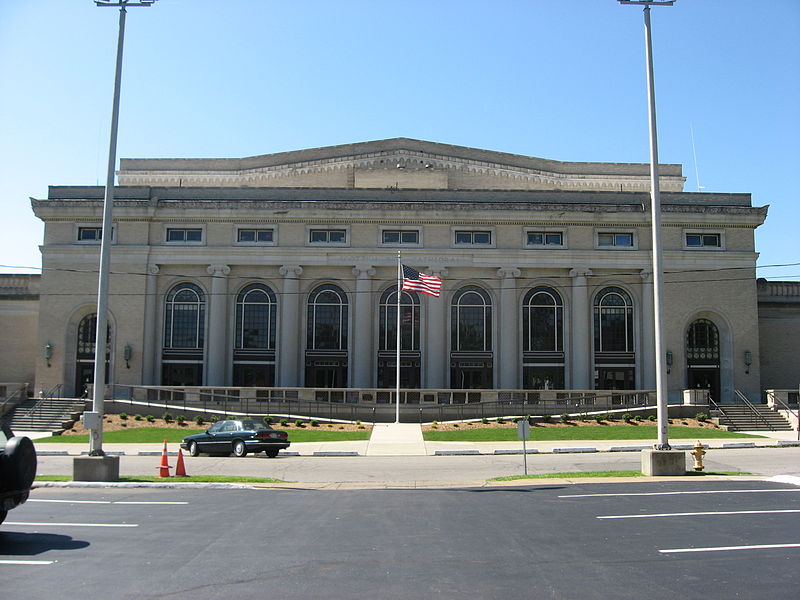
<point>19,313</point>
<point>779,325</point>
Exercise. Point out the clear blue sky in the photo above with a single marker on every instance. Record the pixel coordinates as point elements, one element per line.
<point>558,79</point>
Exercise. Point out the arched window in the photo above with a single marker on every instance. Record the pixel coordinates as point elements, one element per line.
<point>409,340</point>
<point>703,357</point>
<point>254,343</point>
<point>543,321</point>
<point>543,339</point>
<point>614,358</point>
<point>327,319</point>
<point>613,321</point>
<point>471,320</point>
<point>256,311</point>
<point>85,350</point>
<point>184,336</point>
<point>184,318</point>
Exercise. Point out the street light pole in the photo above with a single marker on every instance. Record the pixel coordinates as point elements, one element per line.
<point>101,335</point>
<point>655,209</point>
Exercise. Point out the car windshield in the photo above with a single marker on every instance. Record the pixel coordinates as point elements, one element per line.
<point>253,426</point>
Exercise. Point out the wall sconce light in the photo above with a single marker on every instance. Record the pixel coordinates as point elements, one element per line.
<point>748,360</point>
<point>48,352</point>
<point>669,360</point>
<point>127,352</point>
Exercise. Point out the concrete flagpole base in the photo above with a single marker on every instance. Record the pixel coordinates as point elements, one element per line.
<point>95,468</point>
<point>663,462</point>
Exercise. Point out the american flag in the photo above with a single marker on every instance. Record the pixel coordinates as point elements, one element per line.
<point>415,281</point>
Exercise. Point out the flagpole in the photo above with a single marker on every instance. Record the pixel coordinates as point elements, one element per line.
<point>397,371</point>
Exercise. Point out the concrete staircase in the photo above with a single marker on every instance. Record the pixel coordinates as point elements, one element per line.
<point>50,414</point>
<point>740,417</point>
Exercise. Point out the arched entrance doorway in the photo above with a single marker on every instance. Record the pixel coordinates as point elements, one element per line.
<point>703,357</point>
<point>84,353</point>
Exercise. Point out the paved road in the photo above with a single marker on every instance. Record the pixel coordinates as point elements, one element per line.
<point>425,470</point>
<point>739,539</point>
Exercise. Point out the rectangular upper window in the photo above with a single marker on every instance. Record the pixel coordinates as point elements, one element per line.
<point>473,238</point>
<point>90,234</point>
<point>703,240</point>
<point>327,236</point>
<point>184,235</point>
<point>615,240</point>
<point>256,236</point>
<point>397,236</point>
<point>545,238</point>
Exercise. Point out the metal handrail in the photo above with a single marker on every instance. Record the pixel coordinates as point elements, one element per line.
<point>753,409</point>
<point>717,407</point>
<point>786,407</point>
<point>17,393</point>
<point>44,396</point>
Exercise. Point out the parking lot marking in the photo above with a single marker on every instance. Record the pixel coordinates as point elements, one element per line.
<point>701,514</point>
<point>725,548</point>
<point>680,493</point>
<point>26,562</point>
<point>147,502</point>
<point>27,524</point>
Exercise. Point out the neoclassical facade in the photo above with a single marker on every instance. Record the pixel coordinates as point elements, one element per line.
<point>281,270</point>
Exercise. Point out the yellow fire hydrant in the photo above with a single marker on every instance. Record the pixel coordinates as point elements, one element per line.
<point>698,454</point>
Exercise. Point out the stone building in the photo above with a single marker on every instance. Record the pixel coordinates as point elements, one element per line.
<point>281,270</point>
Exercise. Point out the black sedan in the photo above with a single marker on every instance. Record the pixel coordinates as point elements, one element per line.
<point>237,437</point>
<point>17,470</point>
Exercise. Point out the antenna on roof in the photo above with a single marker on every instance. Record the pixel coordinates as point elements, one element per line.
<point>694,153</point>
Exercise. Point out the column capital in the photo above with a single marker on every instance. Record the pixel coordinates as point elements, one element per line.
<point>290,271</point>
<point>152,269</point>
<point>580,272</point>
<point>508,272</point>
<point>646,275</point>
<point>363,271</point>
<point>218,270</point>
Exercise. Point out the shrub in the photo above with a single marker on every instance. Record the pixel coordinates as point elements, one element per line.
<point>299,423</point>
<point>361,427</point>
<point>638,418</point>
<point>123,416</point>
<point>150,418</point>
<point>501,420</point>
<point>358,422</point>
<point>284,422</point>
<point>331,426</point>
<point>199,419</point>
<point>485,421</point>
<point>137,417</point>
<point>565,418</point>
<point>599,417</point>
<point>668,421</point>
<point>214,418</point>
<point>340,426</point>
<point>702,417</point>
<point>626,417</point>
<point>314,423</point>
<point>455,424</point>
<point>123,424</point>
<point>434,425</point>
<point>651,418</point>
<point>180,419</point>
<point>167,417</point>
<point>547,418</point>
<point>267,420</point>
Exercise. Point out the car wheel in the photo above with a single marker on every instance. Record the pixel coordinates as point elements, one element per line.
<point>19,463</point>
<point>271,453</point>
<point>239,449</point>
<point>193,449</point>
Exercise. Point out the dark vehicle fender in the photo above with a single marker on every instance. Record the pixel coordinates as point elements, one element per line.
<point>19,463</point>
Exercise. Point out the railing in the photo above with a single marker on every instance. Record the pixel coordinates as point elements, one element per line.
<point>45,401</point>
<point>774,397</point>
<point>753,409</point>
<point>378,405</point>
<point>9,401</point>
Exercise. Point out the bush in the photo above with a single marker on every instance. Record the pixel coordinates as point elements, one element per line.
<point>599,418</point>
<point>455,424</point>
<point>167,417</point>
<point>361,427</point>
<point>137,417</point>
<point>547,418</point>
<point>340,426</point>
<point>284,422</point>
<point>267,420</point>
<point>150,418</point>
<point>299,423</point>
<point>199,419</point>
<point>180,419</point>
<point>702,417</point>
<point>123,416</point>
<point>501,420</point>
<point>638,418</point>
<point>358,422</point>
<point>627,417</point>
<point>214,418</point>
<point>651,418</point>
<point>434,425</point>
<point>314,423</point>
<point>485,421</point>
<point>330,426</point>
<point>565,418</point>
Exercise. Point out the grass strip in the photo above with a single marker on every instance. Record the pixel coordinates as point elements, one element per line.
<point>194,479</point>
<point>577,474</point>
<point>589,432</point>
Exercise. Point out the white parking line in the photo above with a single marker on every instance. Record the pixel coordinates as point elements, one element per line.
<point>146,502</point>
<point>725,548</point>
<point>680,493</point>
<point>27,524</point>
<point>26,562</point>
<point>701,514</point>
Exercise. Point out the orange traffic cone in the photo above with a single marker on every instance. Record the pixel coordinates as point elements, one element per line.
<point>163,468</point>
<point>180,470</point>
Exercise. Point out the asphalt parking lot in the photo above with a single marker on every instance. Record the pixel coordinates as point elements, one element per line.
<point>667,539</point>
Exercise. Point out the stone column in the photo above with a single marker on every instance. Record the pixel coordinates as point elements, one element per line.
<point>507,359</point>
<point>289,346</point>
<point>581,331</point>
<point>150,353</point>
<point>217,341</point>
<point>436,327</point>
<point>362,319</point>
<point>646,354</point>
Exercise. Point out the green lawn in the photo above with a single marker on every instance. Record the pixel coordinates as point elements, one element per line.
<point>589,432</point>
<point>156,435</point>
<point>575,474</point>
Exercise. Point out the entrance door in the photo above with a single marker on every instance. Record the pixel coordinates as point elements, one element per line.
<point>703,357</point>
<point>705,378</point>
<point>84,376</point>
<point>182,374</point>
